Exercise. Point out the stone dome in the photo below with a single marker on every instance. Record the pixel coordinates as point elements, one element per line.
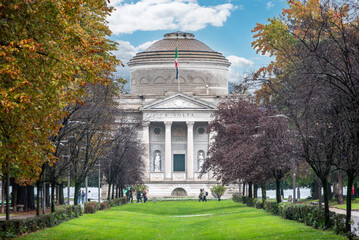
<point>189,49</point>
<point>183,41</point>
<point>201,69</point>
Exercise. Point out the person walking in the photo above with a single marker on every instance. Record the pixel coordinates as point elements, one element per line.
<point>79,196</point>
<point>83,197</point>
<point>130,195</point>
<point>200,196</point>
<point>205,194</point>
<point>127,194</point>
<point>139,198</point>
<point>144,196</point>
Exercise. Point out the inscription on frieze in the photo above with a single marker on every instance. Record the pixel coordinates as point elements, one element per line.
<point>172,115</point>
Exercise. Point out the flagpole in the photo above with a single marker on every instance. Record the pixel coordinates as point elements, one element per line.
<point>177,72</point>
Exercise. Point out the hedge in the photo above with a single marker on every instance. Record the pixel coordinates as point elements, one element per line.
<point>16,227</point>
<point>310,215</point>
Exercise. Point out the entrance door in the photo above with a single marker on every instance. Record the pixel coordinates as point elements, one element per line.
<point>178,162</point>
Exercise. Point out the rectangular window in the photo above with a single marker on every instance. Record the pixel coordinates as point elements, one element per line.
<point>178,162</point>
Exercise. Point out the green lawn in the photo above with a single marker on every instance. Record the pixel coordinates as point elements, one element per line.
<point>173,220</point>
<point>355,205</point>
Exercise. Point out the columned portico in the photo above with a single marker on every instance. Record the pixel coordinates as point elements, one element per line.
<point>168,150</point>
<point>177,144</point>
<point>190,149</point>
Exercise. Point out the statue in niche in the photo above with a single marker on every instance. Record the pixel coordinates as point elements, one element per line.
<point>200,160</point>
<point>157,163</point>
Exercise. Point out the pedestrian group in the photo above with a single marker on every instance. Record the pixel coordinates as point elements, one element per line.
<point>141,195</point>
<point>202,195</point>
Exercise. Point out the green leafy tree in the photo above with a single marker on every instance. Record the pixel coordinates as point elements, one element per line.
<point>218,191</point>
<point>48,51</point>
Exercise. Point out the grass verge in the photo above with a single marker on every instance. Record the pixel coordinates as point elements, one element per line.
<point>182,220</point>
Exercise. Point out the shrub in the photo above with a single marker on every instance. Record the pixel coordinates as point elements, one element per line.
<point>104,205</point>
<point>141,187</point>
<point>91,207</point>
<point>16,227</point>
<point>236,197</point>
<point>218,191</point>
<point>310,215</point>
<point>113,203</point>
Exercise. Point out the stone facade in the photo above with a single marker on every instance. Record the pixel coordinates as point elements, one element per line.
<point>176,114</point>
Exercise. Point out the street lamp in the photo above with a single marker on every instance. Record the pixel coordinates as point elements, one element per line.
<point>99,181</point>
<point>69,169</point>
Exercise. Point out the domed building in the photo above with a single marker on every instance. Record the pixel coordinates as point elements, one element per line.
<point>202,71</point>
<point>176,111</point>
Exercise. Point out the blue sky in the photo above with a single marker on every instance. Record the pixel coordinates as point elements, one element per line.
<point>224,25</point>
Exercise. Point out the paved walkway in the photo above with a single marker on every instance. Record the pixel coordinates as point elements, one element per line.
<point>355,218</point>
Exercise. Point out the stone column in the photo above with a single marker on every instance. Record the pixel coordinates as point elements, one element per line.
<point>210,142</point>
<point>168,151</point>
<point>146,142</point>
<point>190,150</point>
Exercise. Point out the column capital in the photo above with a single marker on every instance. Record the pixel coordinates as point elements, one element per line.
<point>146,124</point>
<point>168,124</point>
<point>190,123</point>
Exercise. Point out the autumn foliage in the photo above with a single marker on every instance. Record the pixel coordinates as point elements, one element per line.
<point>251,144</point>
<point>314,79</point>
<point>48,51</point>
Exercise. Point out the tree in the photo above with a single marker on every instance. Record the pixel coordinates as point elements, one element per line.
<point>315,46</point>
<point>123,165</point>
<point>47,50</point>
<point>218,191</point>
<point>250,144</point>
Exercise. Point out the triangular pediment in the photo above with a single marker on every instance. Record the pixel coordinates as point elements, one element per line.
<point>179,101</point>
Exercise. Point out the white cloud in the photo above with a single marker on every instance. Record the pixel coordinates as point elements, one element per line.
<point>125,51</point>
<point>150,15</point>
<point>269,5</point>
<point>239,61</point>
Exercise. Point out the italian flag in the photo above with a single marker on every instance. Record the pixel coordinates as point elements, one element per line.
<point>176,64</point>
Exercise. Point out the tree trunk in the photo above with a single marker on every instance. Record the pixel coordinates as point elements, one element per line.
<point>57,200</point>
<point>47,195</point>
<point>76,195</point>
<point>38,198</point>
<point>61,194</point>
<point>264,192</point>
<point>250,195</point>
<point>340,188</point>
<point>53,187</point>
<point>349,202</point>
<point>244,189</point>
<point>14,196</point>
<point>255,191</point>
<point>113,191</point>
<point>31,197</point>
<point>22,197</point>
<point>109,192</point>
<point>326,202</point>
<point>8,192</point>
<point>2,196</point>
<point>314,189</point>
<point>277,190</point>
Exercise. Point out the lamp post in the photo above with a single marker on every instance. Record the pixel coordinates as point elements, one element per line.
<point>69,169</point>
<point>99,181</point>
<point>86,186</point>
